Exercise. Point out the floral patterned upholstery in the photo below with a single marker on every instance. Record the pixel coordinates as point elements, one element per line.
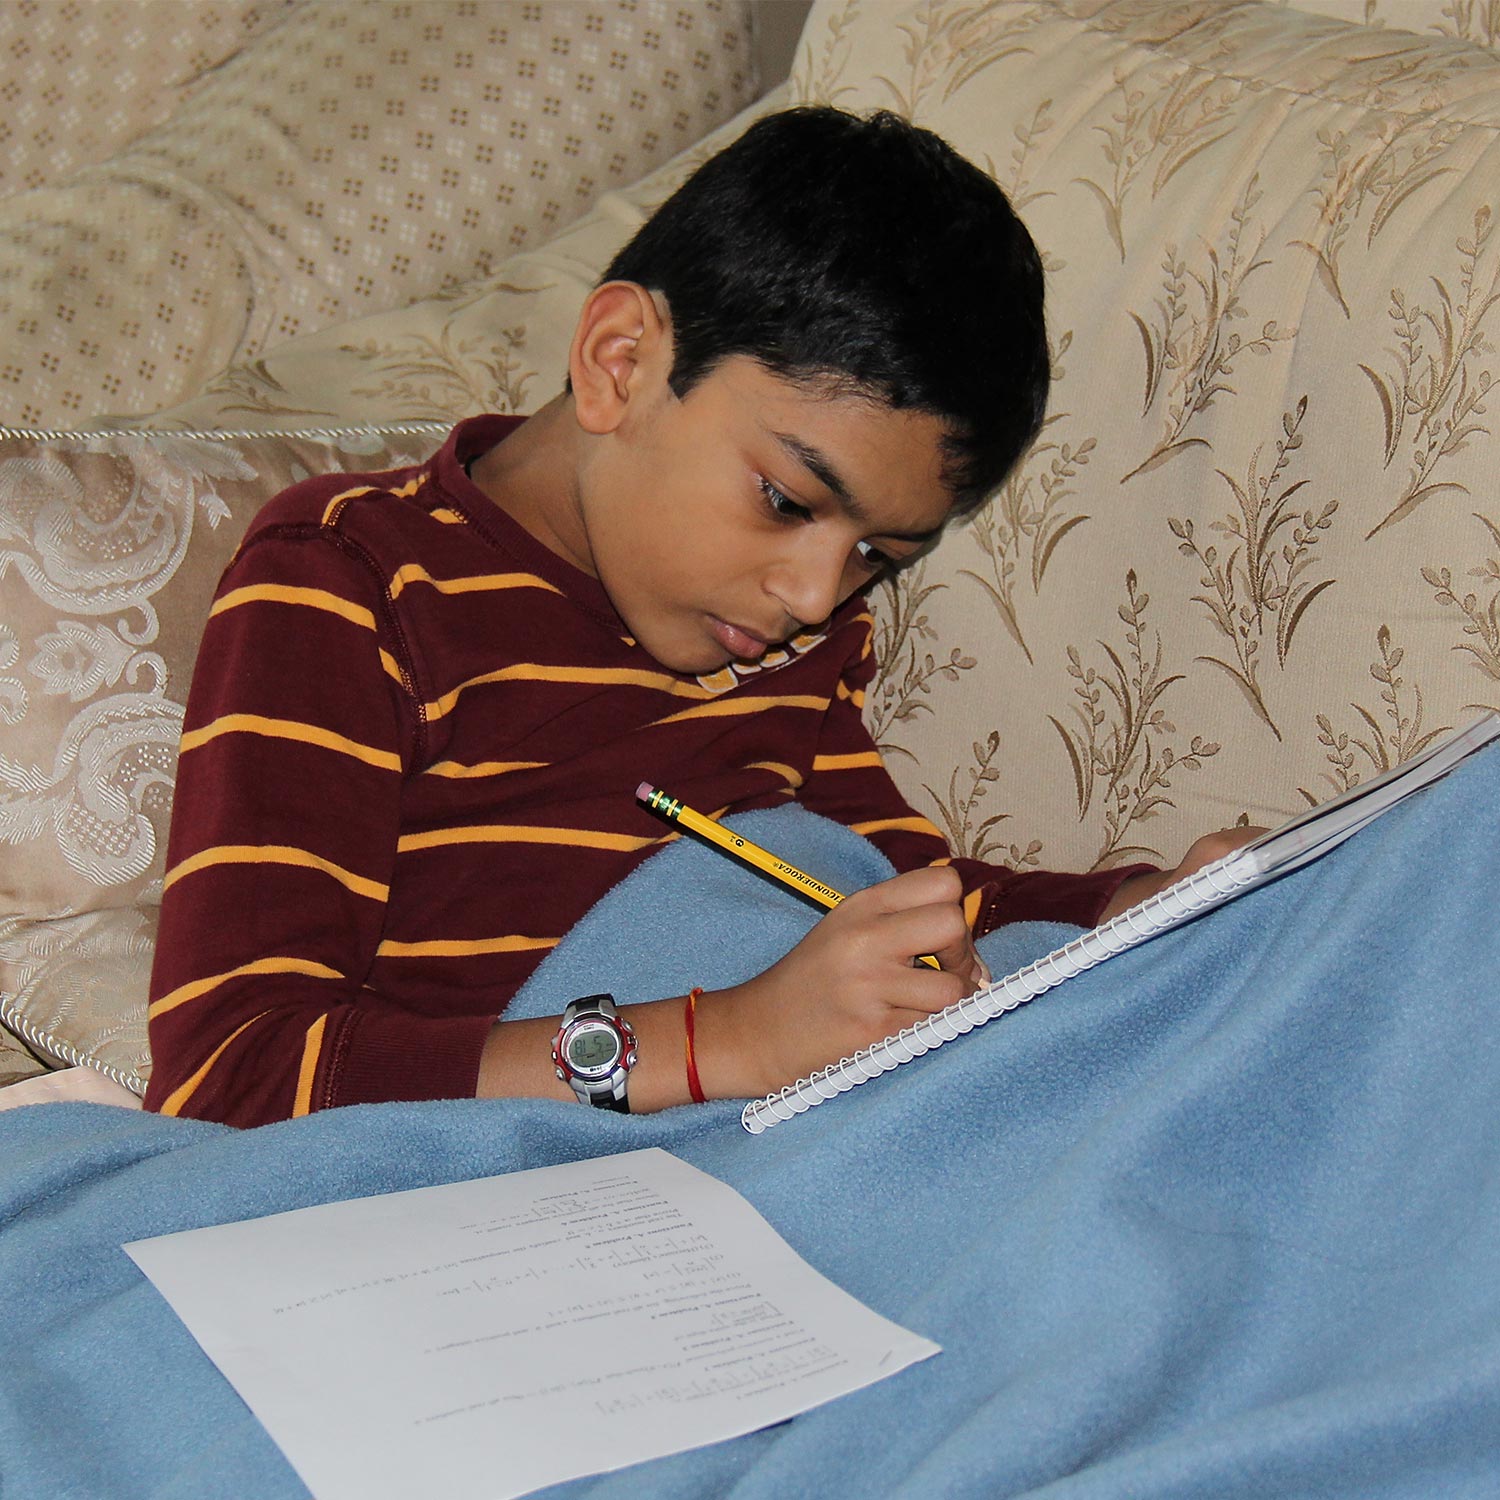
<point>1253,558</point>
<point>110,547</point>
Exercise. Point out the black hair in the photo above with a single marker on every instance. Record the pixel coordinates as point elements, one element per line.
<point>867,256</point>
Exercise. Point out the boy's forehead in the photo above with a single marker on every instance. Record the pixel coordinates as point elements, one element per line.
<point>882,464</point>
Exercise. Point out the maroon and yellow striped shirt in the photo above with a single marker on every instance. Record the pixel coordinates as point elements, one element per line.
<point>409,765</point>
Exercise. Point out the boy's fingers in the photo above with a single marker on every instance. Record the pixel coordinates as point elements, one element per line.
<point>939,929</point>
<point>923,993</point>
<point>926,887</point>
<point>963,963</point>
<point>1212,846</point>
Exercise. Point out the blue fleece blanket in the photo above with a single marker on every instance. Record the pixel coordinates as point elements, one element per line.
<point>1219,1219</point>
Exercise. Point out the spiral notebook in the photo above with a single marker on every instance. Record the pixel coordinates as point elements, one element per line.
<point>1297,842</point>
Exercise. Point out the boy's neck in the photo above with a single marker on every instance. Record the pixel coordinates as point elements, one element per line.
<point>530,477</point>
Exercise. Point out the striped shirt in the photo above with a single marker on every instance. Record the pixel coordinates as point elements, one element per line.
<point>408,767</point>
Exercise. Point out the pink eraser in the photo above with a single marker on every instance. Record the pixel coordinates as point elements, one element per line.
<point>644,790</point>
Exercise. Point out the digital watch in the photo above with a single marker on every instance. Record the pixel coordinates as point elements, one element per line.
<point>594,1051</point>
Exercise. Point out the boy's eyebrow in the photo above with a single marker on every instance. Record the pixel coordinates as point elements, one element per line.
<point>822,468</point>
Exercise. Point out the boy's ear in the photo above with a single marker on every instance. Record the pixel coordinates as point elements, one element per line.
<point>618,344</point>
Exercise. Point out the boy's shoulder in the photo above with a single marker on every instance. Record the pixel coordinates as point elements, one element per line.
<point>370,503</point>
<point>381,521</point>
<point>329,527</point>
<point>322,501</point>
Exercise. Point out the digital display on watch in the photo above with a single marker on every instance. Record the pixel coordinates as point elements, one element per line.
<point>593,1047</point>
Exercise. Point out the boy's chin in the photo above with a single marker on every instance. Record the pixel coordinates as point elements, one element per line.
<point>688,657</point>
<point>698,664</point>
<point>686,661</point>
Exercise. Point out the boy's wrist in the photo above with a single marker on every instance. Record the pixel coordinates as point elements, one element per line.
<point>724,1049</point>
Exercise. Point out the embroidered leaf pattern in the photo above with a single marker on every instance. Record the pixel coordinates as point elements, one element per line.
<point>1020,529</point>
<point>1255,580</point>
<point>958,810</point>
<point>1473,20</point>
<point>906,671</point>
<point>1380,745</point>
<point>948,44</point>
<point>1383,172</point>
<point>1201,352</point>
<point>1434,402</point>
<point>1120,743</point>
<point>1160,130</point>
<point>1481,616</point>
<point>437,376</point>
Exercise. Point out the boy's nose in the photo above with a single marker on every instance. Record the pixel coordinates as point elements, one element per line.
<point>809,588</point>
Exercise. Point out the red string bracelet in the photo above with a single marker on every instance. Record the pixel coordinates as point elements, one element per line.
<point>695,1088</point>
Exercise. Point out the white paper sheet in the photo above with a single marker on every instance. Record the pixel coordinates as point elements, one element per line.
<point>496,1336</point>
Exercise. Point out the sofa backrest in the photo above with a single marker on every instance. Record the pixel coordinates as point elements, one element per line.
<point>1253,557</point>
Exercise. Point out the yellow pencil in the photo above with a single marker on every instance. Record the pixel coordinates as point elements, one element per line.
<point>742,848</point>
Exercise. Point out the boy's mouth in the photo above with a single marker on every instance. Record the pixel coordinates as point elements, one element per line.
<point>736,640</point>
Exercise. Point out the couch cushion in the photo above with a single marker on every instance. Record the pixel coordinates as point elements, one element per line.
<point>111,545</point>
<point>17,1061</point>
<point>1255,554</point>
<point>499,343</point>
<point>353,156</point>
<point>74,990</point>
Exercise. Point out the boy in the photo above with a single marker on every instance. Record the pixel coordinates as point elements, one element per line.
<point>424,699</point>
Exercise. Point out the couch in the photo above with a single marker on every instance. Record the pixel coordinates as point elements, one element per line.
<point>187,184</point>
<point>1253,559</point>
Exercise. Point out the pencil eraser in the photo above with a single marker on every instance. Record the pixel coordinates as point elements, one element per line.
<point>643,791</point>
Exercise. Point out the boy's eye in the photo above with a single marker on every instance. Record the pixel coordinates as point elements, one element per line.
<point>781,504</point>
<point>784,508</point>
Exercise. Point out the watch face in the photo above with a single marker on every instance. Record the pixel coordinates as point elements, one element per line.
<point>592,1048</point>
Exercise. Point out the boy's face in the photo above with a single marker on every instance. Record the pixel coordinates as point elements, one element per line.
<point>730,520</point>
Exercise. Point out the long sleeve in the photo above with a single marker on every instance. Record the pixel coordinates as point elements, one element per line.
<point>300,725</point>
<point>851,784</point>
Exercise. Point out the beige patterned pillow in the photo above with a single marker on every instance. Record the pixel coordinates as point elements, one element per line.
<point>499,343</point>
<point>111,544</point>
<point>84,77</point>
<point>356,155</point>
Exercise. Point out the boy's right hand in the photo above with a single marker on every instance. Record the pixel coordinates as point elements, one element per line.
<point>851,982</point>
